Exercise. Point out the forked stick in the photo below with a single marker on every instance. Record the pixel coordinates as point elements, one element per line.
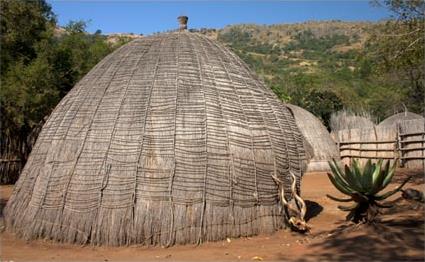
<point>281,189</point>
<point>297,197</point>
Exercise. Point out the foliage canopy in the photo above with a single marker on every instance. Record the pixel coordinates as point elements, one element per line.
<point>39,65</point>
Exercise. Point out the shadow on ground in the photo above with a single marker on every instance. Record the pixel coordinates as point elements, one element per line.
<point>313,209</point>
<point>398,237</point>
<point>417,176</point>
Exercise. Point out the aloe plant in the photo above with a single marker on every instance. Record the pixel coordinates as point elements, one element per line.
<point>363,185</point>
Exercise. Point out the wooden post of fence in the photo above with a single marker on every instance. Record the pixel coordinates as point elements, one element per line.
<point>399,147</point>
<point>349,151</point>
<point>423,148</point>
<point>377,145</point>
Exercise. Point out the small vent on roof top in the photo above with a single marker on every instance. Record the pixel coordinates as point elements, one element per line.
<point>182,22</point>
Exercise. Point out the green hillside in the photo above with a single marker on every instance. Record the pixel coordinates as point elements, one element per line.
<point>321,66</point>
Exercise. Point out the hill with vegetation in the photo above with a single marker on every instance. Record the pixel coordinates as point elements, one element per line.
<point>323,66</point>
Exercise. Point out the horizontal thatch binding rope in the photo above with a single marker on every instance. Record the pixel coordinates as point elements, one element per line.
<point>170,139</point>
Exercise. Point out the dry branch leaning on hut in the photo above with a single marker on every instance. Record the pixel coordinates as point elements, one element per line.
<point>323,146</point>
<point>169,140</point>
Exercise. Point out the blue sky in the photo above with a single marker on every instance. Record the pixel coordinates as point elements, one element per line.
<point>147,17</point>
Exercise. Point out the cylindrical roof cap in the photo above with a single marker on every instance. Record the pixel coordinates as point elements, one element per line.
<point>182,22</point>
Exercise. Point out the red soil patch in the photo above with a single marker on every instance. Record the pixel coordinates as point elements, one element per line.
<point>400,236</point>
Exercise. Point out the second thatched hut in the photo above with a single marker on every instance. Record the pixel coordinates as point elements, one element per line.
<point>323,146</point>
<point>393,120</point>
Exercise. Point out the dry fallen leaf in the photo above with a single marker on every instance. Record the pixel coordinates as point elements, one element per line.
<point>228,240</point>
<point>257,258</point>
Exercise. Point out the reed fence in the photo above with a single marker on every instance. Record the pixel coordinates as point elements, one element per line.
<point>405,142</point>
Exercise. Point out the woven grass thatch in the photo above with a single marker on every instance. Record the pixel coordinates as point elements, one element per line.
<point>170,139</point>
<point>344,119</point>
<point>323,146</point>
<point>400,117</point>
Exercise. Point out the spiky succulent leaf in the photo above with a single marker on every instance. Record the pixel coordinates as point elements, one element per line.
<point>351,179</point>
<point>349,208</point>
<point>339,178</point>
<point>376,174</point>
<point>368,170</point>
<point>367,178</point>
<point>336,166</point>
<point>339,199</point>
<point>339,186</point>
<point>338,174</point>
<point>379,179</point>
<point>358,174</point>
<point>392,192</point>
<point>389,175</point>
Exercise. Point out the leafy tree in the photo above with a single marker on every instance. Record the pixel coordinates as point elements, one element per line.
<point>398,48</point>
<point>76,27</point>
<point>39,67</point>
<point>22,25</point>
<point>322,103</point>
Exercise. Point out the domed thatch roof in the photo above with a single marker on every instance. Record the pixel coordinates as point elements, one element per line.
<point>394,119</point>
<point>170,139</point>
<point>316,134</point>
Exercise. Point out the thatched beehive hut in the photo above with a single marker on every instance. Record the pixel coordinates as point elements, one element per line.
<point>170,139</point>
<point>400,117</point>
<point>324,147</point>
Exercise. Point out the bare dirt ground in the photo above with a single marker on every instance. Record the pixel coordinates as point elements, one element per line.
<point>399,237</point>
